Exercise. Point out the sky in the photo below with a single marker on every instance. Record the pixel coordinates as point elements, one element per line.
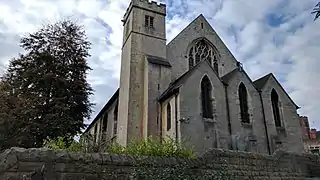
<point>277,36</point>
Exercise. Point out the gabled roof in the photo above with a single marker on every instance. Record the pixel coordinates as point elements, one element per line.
<point>176,84</point>
<point>261,82</point>
<point>227,78</point>
<point>187,27</point>
<point>104,109</point>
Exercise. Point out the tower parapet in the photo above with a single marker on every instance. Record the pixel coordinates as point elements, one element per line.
<point>152,6</point>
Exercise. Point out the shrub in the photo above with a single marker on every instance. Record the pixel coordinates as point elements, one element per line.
<point>153,147</point>
<point>178,172</point>
<point>60,144</point>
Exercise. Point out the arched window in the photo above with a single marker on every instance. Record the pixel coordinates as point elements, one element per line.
<point>105,122</point>
<point>168,116</point>
<point>206,89</point>
<point>95,134</point>
<point>275,108</point>
<point>201,51</point>
<point>115,120</point>
<point>243,99</point>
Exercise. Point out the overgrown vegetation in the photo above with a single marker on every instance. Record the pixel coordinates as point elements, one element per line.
<point>144,171</point>
<point>44,93</point>
<point>177,172</point>
<point>147,147</point>
<point>60,144</point>
<point>86,146</point>
<point>153,147</point>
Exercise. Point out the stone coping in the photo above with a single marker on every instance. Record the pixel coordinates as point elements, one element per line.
<point>12,156</point>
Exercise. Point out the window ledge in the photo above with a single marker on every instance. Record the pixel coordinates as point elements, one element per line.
<point>246,125</point>
<point>209,120</point>
<point>281,129</point>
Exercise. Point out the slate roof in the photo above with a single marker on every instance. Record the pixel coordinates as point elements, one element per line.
<point>176,84</point>
<point>226,78</point>
<point>259,83</point>
<point>158,60</point>
<point>104,109</point>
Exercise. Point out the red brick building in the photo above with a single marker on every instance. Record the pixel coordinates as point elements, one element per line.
<point>305,127</point>
<point>310,136</point>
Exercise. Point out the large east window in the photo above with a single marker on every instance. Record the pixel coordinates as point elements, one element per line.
<point>201,51</point>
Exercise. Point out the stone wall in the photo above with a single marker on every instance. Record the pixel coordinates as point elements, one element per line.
<point>17,163</point>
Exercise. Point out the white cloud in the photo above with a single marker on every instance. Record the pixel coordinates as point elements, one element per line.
<point>288,49</point>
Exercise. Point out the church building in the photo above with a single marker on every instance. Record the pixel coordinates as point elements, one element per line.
<point>192,89</point>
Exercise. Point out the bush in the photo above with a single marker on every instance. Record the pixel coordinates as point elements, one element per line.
<point>153,147</point>
<point>177,172</point>
<point>61,144</point>
<point>147,147</point>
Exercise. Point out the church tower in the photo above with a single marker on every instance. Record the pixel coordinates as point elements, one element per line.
<point>144,35</point>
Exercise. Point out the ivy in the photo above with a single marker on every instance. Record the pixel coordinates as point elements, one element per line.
<point>177,172</point>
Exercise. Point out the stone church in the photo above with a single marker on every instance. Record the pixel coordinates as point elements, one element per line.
<point>192,89</point>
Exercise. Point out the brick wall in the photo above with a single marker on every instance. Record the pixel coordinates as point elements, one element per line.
<point>17,163</point>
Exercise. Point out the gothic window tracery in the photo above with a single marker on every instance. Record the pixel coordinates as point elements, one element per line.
<point>201,51</point>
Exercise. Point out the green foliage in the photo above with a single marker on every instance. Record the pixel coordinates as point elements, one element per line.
<point>60,144</point>
<point>49,82</point>
<point>316,10</point>
<point>85,145</point>
<point>153,147</point>
<point>13,126</point>
<point>178,172</point>
<point>91,146</point>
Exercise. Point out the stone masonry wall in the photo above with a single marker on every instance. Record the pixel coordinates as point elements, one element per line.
<point>17,163</point>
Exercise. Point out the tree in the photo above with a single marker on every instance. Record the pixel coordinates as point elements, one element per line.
<point>13,126</point>
<point>51,79</point>
<point>316,10</point>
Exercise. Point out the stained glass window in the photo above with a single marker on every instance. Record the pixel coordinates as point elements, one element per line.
<point>201,51</point>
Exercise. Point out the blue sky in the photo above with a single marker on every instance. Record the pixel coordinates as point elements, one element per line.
<point>276,36</point>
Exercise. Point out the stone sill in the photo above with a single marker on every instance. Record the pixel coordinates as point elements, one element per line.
<point>209,120</point>
<point>246,125</point>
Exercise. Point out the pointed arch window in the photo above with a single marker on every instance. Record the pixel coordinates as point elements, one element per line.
<point>243,99</point>
<point>201,51</point>
<point>105,122</point>
<point>168,116</point>
<point>275,108</point>
<point>206,89</point>
<point>95,134</point>
<point>115,120</point>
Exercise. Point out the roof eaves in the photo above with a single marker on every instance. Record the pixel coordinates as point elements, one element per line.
<point>297,107</point>
<point>102,111</point>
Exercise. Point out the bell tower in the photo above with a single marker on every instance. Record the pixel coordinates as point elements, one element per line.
<point>144,34</point>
